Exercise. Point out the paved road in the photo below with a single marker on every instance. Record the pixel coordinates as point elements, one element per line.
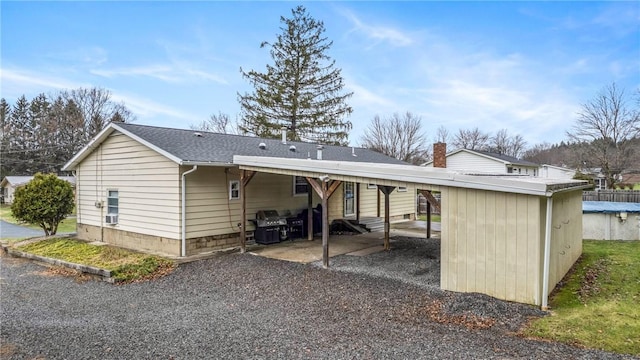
<point>12,231</point>
<point>241,306</point>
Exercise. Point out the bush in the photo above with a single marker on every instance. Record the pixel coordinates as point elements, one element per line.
<point>44,201</point>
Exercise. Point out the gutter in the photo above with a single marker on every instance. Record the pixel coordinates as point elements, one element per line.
<point>183,250</point>
<point>547,256</point>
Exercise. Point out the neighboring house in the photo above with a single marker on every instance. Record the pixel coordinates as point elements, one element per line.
<point>10,183</point>
<point>130,181</point>
<point>556,172</point>
<point>486,162</point>
<point>630,180</point>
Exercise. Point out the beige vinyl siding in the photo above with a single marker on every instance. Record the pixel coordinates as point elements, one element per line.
<point>147,184</point>
<point>489,243</point>
<point>210,212</point>
<point>465,161</point>
<point>400,203</point>
<point>369,201</point>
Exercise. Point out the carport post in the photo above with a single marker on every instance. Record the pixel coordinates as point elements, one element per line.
<point>309,213</point>
<point>428,220</point>
<point>324,189</point>
<point>245,177</point>
<point>386,190</point>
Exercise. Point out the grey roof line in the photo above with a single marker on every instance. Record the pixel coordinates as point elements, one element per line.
<point>192,146</point>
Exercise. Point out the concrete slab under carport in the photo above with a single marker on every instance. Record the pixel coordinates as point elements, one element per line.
<point>304,251</point>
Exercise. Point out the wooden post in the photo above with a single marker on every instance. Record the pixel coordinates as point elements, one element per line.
<point>245,177</point>
<point>358,203</point>
<point>378,203</point>
<point>309,212</point>
<point>428,220</point>
<point>325,226</point>
<point>386,190</point>
<point>324,189</point>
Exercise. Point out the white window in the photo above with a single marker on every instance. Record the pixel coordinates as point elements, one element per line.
<point>112,202</point>
<point>234,189</point>
<point>372,186</point>
<point>300,186</point>
<point>402,189</point>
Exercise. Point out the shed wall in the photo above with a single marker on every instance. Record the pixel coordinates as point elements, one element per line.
<point>491,244</point>
<point>147,185</point>
<point>566,234</point>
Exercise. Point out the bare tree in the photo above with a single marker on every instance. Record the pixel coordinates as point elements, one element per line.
<point>97,108</point>
<point>605,128</point>
<point>220,123</point>
<point>471,139</point>
<point>442,135</point>
<point>503,143</point>
<point>398,136</point>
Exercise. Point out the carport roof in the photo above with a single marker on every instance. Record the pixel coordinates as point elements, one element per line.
<point>403,175</point>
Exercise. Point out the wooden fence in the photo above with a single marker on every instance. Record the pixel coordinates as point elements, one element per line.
<point>612,195</point>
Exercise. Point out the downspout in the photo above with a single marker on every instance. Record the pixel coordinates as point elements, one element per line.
<point>183,251</point>
<point>547,255</point>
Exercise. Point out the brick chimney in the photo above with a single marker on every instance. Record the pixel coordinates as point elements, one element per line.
<point>440,155</point>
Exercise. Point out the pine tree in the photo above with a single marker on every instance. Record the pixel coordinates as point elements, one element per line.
<point>302,90</point>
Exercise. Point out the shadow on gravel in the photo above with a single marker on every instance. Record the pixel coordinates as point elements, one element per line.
<point>416,261</point>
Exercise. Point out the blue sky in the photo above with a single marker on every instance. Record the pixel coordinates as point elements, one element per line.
<point>523,66</point>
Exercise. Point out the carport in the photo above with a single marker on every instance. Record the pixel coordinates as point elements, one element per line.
<point>509,237</point>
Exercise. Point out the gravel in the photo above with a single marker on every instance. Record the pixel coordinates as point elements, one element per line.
<point>243,306</point>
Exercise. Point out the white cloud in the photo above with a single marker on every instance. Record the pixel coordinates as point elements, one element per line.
<point>167,73</point>
<point>378,33</point>
<point>90,55</point>
<point>15,83</point>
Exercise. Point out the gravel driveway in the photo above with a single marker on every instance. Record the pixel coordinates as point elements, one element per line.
<point>240,306</point>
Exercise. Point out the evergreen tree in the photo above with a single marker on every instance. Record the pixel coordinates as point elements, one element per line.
<point>302,90</point>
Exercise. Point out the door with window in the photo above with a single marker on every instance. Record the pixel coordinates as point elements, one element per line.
<point>349,198</point>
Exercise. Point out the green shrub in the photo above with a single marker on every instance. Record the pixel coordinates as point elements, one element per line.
<point>44,201</point>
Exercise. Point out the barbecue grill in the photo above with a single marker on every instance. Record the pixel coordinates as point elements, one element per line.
<point>270,227</point>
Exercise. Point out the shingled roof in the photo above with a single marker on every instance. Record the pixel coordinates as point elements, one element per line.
<point>506,158</point>
<point>199,147</point>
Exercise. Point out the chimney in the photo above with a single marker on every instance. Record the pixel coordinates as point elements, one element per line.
<point>320,147</point>
<point>284,134</point>
<point>440,155</point>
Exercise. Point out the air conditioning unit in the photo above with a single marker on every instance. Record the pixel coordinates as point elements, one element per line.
<point>111,219</point>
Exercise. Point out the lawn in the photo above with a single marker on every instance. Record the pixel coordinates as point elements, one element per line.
<point>125,265</point>
<point>434,218</point>
<point>67,225</point>
<point>598,304</point>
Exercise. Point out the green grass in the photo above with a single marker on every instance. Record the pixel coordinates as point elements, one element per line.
<point>434,218</point>
<point>67,225</point>
<point>125,265</point>
<point>598,305</point>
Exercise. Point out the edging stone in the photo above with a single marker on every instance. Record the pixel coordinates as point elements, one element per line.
<point>105,274</point>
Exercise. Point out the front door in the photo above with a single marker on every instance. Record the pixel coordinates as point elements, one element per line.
<point>349,198</point>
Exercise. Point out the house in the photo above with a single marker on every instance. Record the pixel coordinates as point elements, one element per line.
<point>132,180</point>
<point>10,183</point>
<point>183,192</point>
<point>484,162</point>
<point>556,172</point>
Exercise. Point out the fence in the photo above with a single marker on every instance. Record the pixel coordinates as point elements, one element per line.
<point>612,195</point>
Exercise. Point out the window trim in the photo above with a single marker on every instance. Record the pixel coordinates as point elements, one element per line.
<point>295,185</point>
<point>372,186</point>
<point>231,189</point>
<point>109,206</point>
<point>402,189</point>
